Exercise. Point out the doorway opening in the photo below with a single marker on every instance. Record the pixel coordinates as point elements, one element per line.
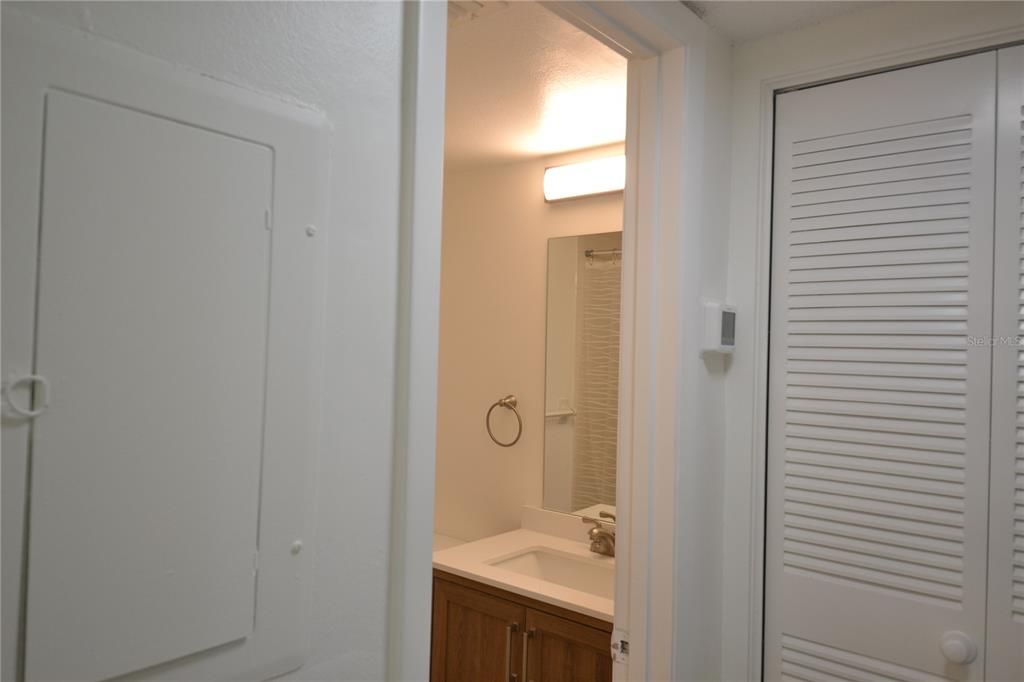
<point>673,256</point>
<point>528,364</point>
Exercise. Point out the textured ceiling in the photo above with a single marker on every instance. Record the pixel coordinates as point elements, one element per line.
<point>744,21</point>
<point>523,83</point>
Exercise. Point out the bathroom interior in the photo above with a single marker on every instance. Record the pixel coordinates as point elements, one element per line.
<point>531,271</point>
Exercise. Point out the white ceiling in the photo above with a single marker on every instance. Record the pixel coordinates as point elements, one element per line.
<point>523,83</point>
<point>744,21</point>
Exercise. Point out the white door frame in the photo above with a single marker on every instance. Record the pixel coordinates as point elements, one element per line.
<point>667,47</point>
<point>410,580</point>
<point>750,234</point>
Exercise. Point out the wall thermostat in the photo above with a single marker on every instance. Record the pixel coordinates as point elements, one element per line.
<point>719,328</point>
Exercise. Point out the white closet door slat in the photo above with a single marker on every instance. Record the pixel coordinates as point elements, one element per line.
<point>1006,538</point>
<point>879,400</point>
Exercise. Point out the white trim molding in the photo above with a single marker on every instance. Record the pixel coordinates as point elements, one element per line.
<point>876,39</point>
<point>410,587</point>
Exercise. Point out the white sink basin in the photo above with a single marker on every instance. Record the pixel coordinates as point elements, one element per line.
<point>553,569</point>
<point>594,576</point>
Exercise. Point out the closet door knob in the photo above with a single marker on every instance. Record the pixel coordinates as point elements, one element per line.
<point>42,396</point>
<point>958,648</point>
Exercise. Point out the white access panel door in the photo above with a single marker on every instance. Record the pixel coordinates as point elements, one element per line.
<point>152,327</point>
<point>879,404</point>
<point>1005,659</point>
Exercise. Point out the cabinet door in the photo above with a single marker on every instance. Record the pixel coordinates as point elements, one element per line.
<point>560,650</point>
<point>151,326</point>
<point>877,520</point>
<point>475,636</point>
<point>1006,532</point>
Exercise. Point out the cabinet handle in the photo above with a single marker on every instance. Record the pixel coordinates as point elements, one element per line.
<point>527,636</point>
<point>509,629</point>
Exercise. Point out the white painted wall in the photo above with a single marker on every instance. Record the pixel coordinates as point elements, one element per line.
<point>493,282</point>
<point>344,59</point>
<point>888,35</point>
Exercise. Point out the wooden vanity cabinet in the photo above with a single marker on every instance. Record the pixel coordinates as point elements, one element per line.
<point>562,649</point>
<point>475,635</point>
<point>484,634</point>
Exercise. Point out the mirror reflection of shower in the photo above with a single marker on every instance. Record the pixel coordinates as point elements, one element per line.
<point>582,373</point>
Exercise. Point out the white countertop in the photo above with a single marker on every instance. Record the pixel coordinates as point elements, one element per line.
<point>470,560</point>
<point>446,541</point>
<point>595,510</point>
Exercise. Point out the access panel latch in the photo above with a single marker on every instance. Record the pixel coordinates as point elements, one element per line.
<point>620,646</point>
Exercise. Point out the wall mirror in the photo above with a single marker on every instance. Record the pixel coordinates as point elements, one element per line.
<point>582,373</point>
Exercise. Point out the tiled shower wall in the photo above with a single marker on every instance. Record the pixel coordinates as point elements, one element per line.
<point>597,379</point>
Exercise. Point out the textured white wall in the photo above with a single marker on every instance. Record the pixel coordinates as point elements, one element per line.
<point>344,59</point>
<point>493,283</point>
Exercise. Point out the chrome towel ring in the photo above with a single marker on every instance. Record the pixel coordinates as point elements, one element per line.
<point>509,402</point>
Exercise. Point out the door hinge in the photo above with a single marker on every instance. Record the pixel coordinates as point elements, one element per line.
<point>266,220</point>
<point>255,563</point>
<point>620,646</point>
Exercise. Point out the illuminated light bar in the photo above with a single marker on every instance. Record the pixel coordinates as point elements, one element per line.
<point>599,176</point>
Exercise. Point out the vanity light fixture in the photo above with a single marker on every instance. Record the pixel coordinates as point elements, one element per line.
<point>597,176</point>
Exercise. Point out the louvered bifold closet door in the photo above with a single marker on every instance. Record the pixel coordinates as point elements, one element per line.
<point>1005,659</point>
<point>879,401</point>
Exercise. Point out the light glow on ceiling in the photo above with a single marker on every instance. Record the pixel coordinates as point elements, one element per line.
<point>580,115</point>
<point>597,176</point>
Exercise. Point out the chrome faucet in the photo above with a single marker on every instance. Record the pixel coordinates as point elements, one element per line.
<point>602,540</point>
